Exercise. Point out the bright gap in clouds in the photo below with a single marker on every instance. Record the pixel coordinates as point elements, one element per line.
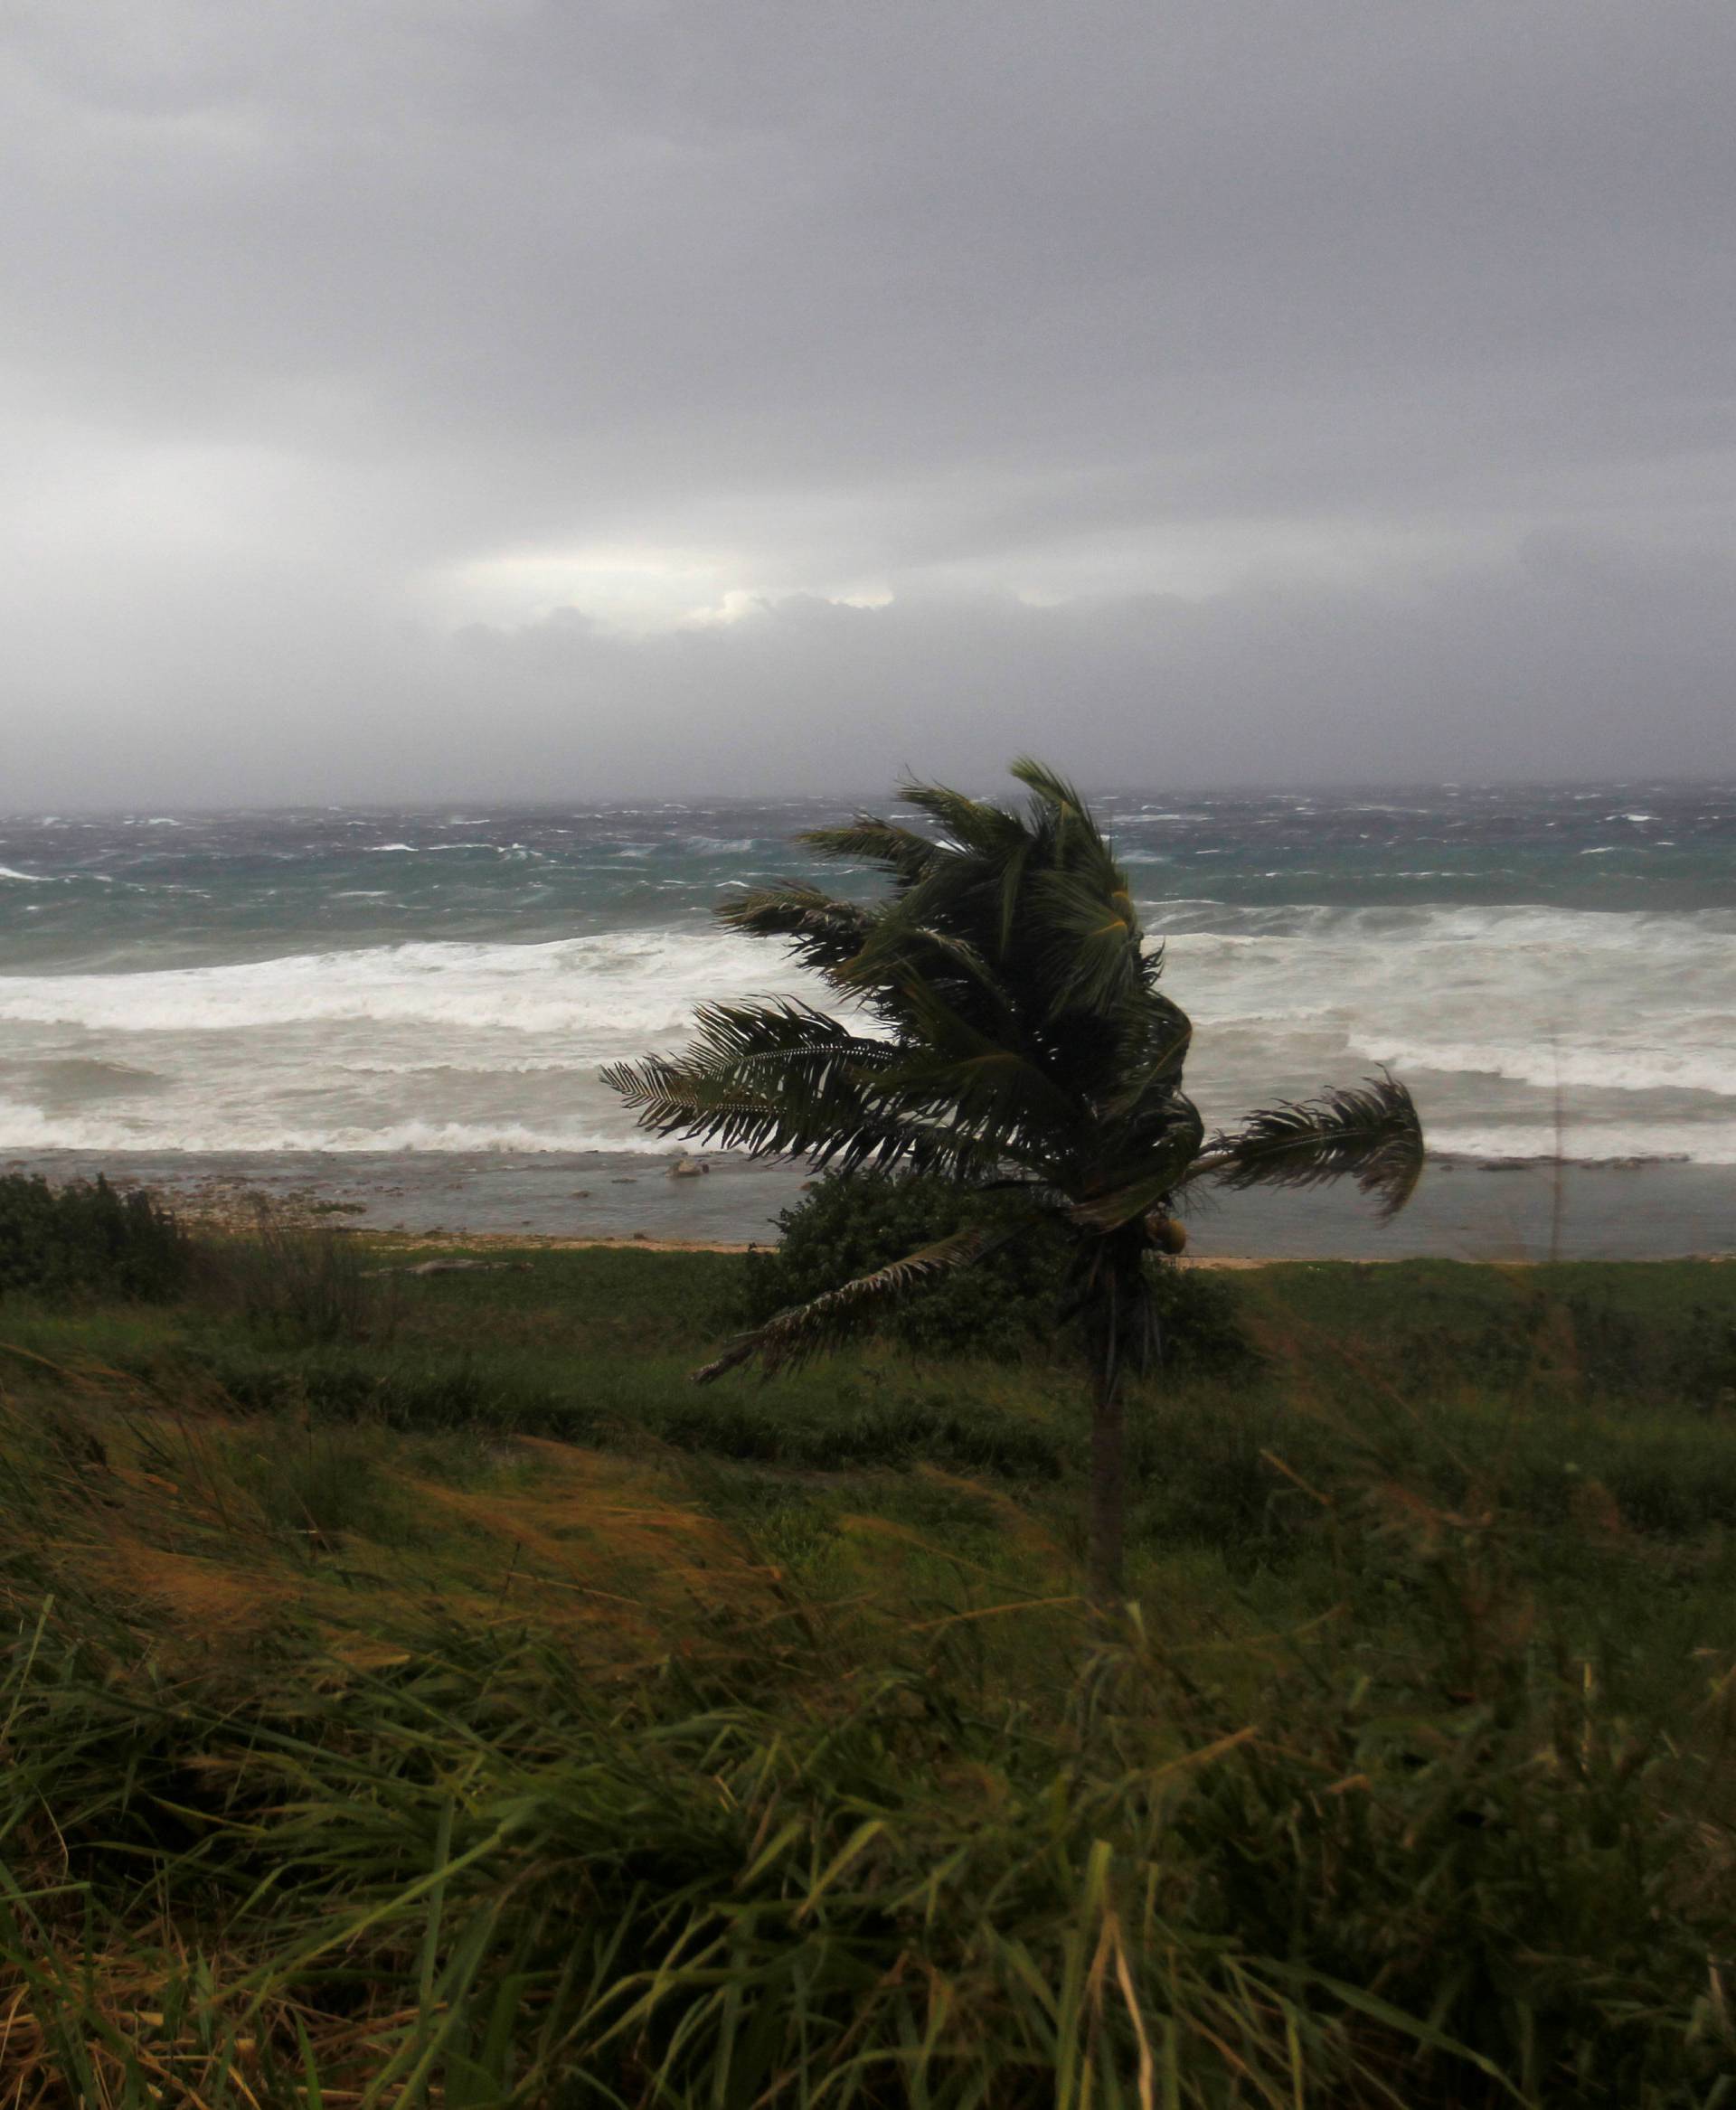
<point>636,589</point>
<point>639,590</point>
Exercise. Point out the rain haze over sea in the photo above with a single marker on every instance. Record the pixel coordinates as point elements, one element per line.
<point>448,981</point>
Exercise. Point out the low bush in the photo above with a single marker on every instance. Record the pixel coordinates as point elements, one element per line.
<point>88,1240</point>
<point>852,1222</point>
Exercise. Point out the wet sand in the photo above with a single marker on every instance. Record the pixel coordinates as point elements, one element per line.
<point>1466,1209</point>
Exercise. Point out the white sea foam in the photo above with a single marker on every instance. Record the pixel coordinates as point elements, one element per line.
<point>1626,1066</point>
<point>28,879</point>
<point>1704,1142</point>
<point>612,985</point>
<point>456,1046</point>
<point>27,1128</point>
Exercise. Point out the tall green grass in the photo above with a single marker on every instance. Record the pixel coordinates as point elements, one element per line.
<point>365,1743</point>
<point>466,1773</point>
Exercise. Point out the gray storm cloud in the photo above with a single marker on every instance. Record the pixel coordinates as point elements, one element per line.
<point>484,396</point>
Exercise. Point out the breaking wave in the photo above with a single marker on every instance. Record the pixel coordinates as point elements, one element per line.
<point>444,1045</point>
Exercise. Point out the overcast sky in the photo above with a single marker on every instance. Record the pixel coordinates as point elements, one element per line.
<point>439,398</point>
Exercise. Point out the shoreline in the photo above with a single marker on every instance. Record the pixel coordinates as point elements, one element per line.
<point>642,1242</point>
<point>1489,1210</point>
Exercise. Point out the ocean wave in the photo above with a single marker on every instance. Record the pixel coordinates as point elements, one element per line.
<point>624,983</point>
<point>28,879</point>
<point>1647,1143</point>
<point>1502,927</point>
<point>1618,1068</point>
<point>398,1046</point>
<point>581,1066</point>
<point>27,1128</point>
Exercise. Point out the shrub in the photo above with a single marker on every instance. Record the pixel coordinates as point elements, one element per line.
<point>304,1284</point>
<point>850,1223</point>
<point>88,1240</point>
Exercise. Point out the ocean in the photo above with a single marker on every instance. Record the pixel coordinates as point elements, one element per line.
<point>1538,964</point>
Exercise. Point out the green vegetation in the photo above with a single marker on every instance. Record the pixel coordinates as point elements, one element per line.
<point>1023,1046</point>
<point>87,1239</point>
<point>857,1223</point>
<point>446,1703</point>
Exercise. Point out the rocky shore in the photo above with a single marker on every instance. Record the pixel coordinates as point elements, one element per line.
<point>1466,1208</point>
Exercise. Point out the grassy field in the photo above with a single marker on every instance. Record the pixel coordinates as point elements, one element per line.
<point>417,1692</point>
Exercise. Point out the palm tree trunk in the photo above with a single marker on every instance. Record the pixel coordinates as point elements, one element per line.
<point>1109,1488</point>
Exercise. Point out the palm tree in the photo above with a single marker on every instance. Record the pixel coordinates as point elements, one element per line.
<point>1008,1031</point>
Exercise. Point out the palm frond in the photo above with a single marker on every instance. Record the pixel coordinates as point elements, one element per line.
<point>906,950</point>
<point>1091,956</point>
<point>1051,790</point>
<point>1369,1133</point>
<point>1148,1185</point>
<point>948,1055</point>
<point>780,1080</point>
<point>1014,867</point>
<point>820,931</point>
<point>871,841</point>
<point>827,1320</point>
<point>760,1077</point>
<point>1154,1036</point>
<point>970,823</point>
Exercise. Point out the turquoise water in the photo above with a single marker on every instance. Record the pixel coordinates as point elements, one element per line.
<point>365,981</point>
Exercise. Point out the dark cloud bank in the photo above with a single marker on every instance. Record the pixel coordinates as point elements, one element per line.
<point>489,397</point>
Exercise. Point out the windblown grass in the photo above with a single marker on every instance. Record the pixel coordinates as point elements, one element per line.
<point>355,1757</point>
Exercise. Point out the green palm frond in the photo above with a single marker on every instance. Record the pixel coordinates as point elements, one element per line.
<point>827,1320</point>
<point>756,1076</point>
<point>970,823</point>
<point>1011,886</point>
<point>902,955</point>
<point>948,1055</point>
<point>1092,953</point>
<point>1053,791</point>
<point>1059,808</point>
<point>1149,1182</point>
<point>820,931</point>
<point>1369,1133</point>
<point>780,1080</point>
<point>1154,1038</point>
<point>871,841</point>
